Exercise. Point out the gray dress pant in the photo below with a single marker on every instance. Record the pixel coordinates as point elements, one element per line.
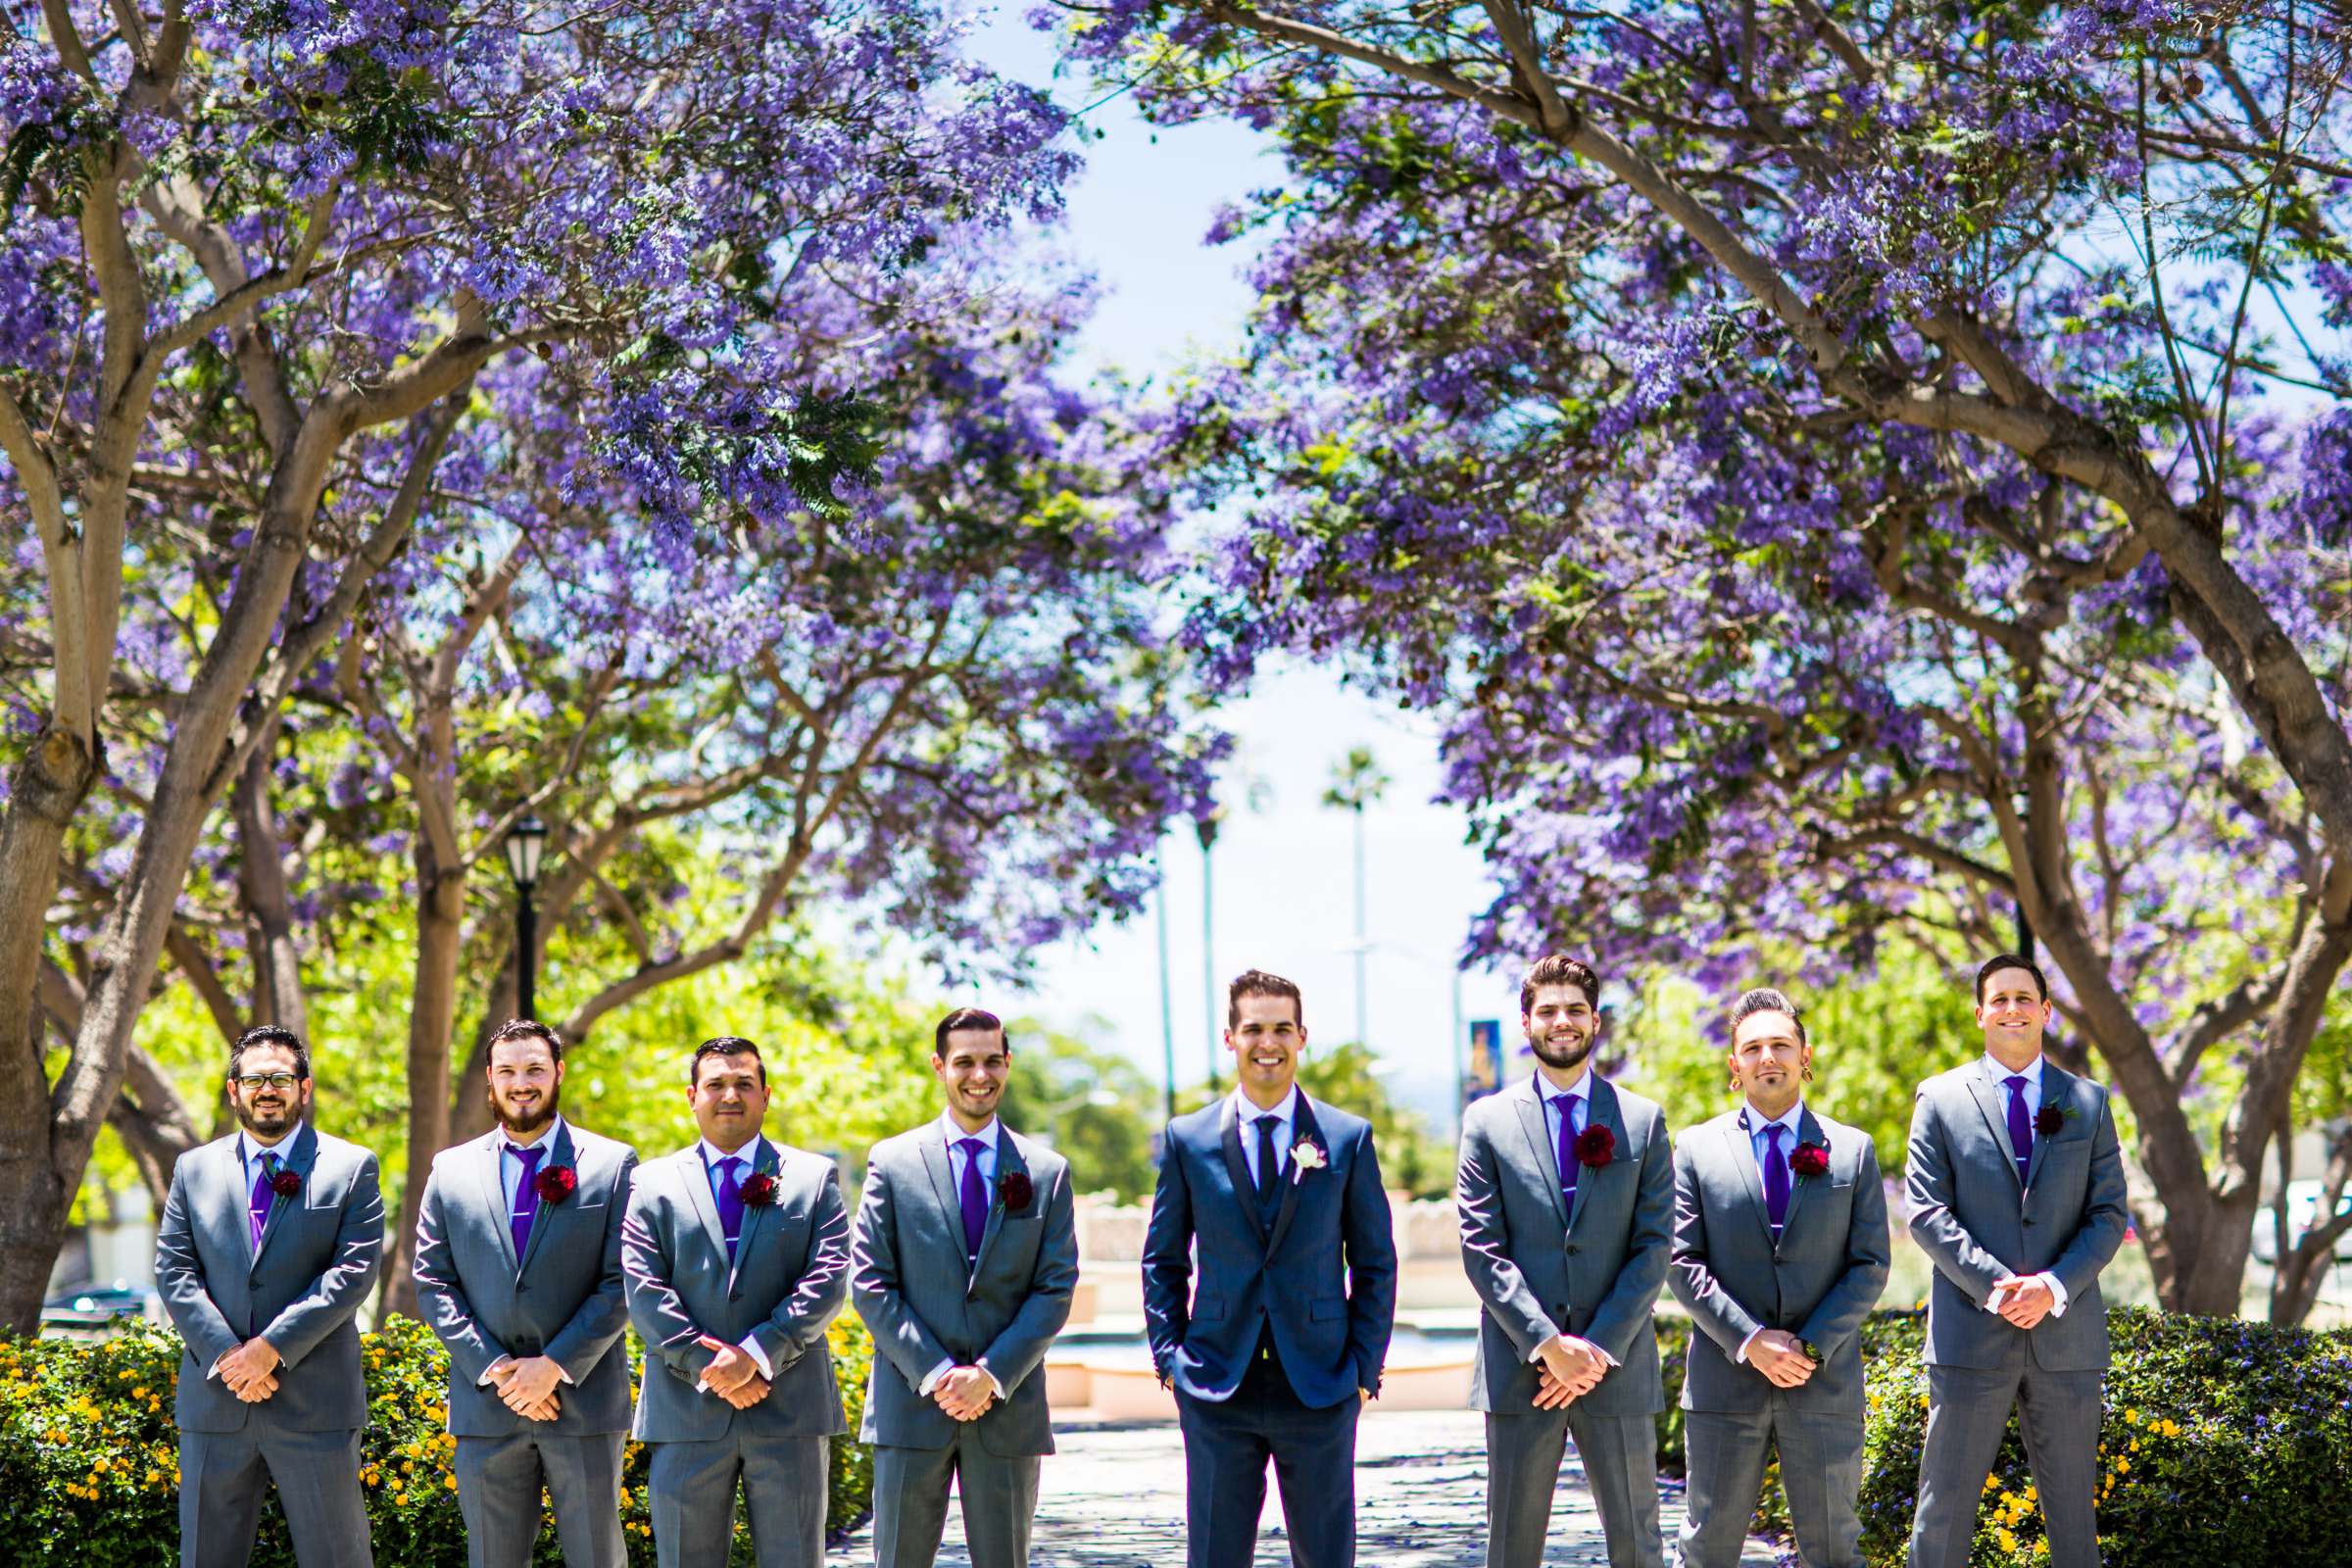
<point>693,1487</point>
<point>998,1493</point>
<point>221,1475</point>
<point>498,1492</point>
<point>1620,1456</point>
<point>1821,1471</point>
<point>1968,1411</point>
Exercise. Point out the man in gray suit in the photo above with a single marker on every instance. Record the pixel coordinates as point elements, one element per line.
<point>737,1254</point>
<point>1780,1251</point>
<point>966,1254</point>
<point>518,1272</point>
<point>1566,1192</point>
<point>269,1241</point>
<point>2016,1187</point>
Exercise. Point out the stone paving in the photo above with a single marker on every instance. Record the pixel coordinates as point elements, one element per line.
<point>1114,1498</point>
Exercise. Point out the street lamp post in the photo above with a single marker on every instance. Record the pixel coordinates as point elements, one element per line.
<point>1205,828</point>
<point>525,840</point>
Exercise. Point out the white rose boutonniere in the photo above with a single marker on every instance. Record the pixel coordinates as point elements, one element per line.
<point>1307,1156</point>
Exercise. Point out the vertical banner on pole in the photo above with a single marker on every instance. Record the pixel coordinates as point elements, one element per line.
<point>1482,1071</point>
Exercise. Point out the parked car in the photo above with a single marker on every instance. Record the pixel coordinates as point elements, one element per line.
<point>97,1307</point>
<point>2302,1212</point>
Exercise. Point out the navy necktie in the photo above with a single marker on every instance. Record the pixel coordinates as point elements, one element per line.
<point>1265,1159</point>
<point>526,1197</point>
<point>1776,1179</point>
<point>2021,1126</point>
<point>973,1197</point>
<point>1567,1104</point>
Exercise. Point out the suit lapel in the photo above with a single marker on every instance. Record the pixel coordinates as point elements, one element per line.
<point>302,1152</point>
<point>697,1177</point>
<point>1245,1192</point>
<point>1537,1124</point>
<point>2057,1090</point>
<point>486,1163</point>
<point>765,1160</point>
<point>1304,1129</point>
<point>1008,1160</point>
<point>1599,1111</point>
<point>1741,1146</point>
<point>560,1152</point>
<point>1808,1131</point>
<point>1996,1116</point>
<point>237,1209</point>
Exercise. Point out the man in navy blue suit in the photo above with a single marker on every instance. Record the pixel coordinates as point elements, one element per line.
<point>1274,1349</point>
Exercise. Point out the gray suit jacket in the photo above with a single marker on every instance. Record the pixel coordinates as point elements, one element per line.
<point>787,1282</point>
<point>1818,1283</point>
<point>1538,1270</point>
<point>561,1299</point>
<point>924,1305</point>
<point>1973,1219</point>
<point>315,1264</point>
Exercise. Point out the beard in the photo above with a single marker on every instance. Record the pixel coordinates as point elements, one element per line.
<point>1562,1055</point>
<point>270,1123</point>
<point>531,1121</point>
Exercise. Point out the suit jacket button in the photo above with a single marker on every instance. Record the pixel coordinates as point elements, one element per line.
<point>1573,1248</point>
<point>734,1295</point>
<point>2029,1220</point>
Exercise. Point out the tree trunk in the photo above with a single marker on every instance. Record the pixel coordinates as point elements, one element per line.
<point>278,994</point>
<point>432,1023</point>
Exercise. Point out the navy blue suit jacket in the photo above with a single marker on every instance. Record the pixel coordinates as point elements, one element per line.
<point>1322,1273</point>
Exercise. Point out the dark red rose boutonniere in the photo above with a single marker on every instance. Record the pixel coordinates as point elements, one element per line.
<point>1014,1192</point>
<point>556,1183</point>
<point>1810,1159</point>
<point>285,1183</point>
<point>2050,1119</point>
<point>1595,1146</point>
<point>759,1190</point>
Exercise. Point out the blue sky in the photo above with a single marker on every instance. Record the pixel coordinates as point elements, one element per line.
<point>1283,875</point>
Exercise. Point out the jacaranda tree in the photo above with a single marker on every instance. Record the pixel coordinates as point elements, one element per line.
<point>257,258</point>
<point>1840,470</point>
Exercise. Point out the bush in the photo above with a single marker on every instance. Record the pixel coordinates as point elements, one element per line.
<point>89,1456</point>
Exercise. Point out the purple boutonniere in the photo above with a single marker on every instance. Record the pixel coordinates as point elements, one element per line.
<point>285,1183</point>
<point>1014,1192</point>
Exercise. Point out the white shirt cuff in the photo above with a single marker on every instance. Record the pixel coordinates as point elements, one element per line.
<point>491,1371</point>
<point>1742,1357</point>
<point>749,1346</point>
<point>931,1378</point>
<point>2057,1294</point>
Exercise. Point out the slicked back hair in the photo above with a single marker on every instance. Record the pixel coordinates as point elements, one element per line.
<point>1766,1000</point>
<point>724,1045</point>
<point>269,1033</point>
<point>2011,960</point>
<point>1259,983</point>
<point>1558,970</point>
<point>526,1029</point>
<point>968,1018</point>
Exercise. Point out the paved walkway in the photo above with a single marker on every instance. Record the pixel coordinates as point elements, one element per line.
<point>1114,1498</point>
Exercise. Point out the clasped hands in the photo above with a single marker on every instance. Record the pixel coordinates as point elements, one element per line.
<point>250,1371</point>
<point>1571,1369</point>
<point>965,1393</point>
<point>527,1385</point>
<point>1781,1356</point>
<point>732,1374</point>
<point>2023,1299</point>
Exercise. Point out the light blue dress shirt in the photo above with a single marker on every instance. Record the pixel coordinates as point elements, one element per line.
<point>1999,1077</point>
<point>1286,1121</point>
<point>988,1179</point>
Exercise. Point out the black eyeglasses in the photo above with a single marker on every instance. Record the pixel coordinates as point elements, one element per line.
<point>249,1082</point>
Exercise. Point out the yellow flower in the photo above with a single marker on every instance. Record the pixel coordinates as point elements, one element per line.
<point>2008,1541</point>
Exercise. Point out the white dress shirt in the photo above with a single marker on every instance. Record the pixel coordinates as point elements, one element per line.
<point>1552,1095</point>
<point>1286,1121</point>
<point>988,1184</point>
<point>2031,1095</point>
<point>1759,1144</point>
<point>510,1183</point>
<point>748,1154</point>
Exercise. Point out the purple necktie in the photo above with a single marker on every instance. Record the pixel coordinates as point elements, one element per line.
<point>1567,1104</point>
<point>258,1212</point>
<point>526,1197</point>
<point>974,1196</point>
<point>2021,1125</point>
<point>1776,1179</point>
<point>730,1203</point>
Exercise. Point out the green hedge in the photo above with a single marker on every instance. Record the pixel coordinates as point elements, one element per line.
<point>90,1457</point>
<point>2222,1442</point>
